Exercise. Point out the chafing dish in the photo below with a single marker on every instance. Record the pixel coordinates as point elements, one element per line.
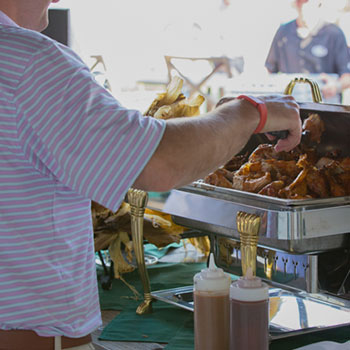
<point>303,245</point>
<point>296,226</point>
<point>297,231</point>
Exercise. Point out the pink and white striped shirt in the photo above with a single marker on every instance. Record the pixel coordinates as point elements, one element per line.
<point>64,140</point>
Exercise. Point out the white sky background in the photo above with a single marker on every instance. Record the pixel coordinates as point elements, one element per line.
<point>134,35</point>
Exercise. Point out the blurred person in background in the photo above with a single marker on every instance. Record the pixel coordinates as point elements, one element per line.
<point>310,45</point>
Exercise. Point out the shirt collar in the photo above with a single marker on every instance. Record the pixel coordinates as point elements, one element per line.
<point>4,19</point>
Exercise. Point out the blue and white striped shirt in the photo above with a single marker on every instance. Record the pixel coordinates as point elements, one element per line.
<point>64,140</point>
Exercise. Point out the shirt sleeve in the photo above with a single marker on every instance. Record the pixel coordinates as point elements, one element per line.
<point>79,131</point>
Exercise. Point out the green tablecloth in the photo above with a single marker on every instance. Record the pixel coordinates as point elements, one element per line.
<point>162,276</point>
<point>167,324</point>
<point>170,324</point>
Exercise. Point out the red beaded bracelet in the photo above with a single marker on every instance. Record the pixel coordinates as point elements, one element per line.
<point>260,105</point>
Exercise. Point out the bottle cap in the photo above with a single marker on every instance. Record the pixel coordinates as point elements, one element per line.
<point>212,279</point>
<point>249,288</point>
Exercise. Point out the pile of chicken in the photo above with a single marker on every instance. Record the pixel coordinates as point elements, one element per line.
<point>298,174</point>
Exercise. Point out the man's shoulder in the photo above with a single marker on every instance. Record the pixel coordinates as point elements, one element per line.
<point>19,34</point>
<point>287,28</point>
<point>26,42</point>
<point>332,28</point>
<point>28,45</point>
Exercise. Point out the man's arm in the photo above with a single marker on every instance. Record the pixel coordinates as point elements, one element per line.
<point>193,147</point>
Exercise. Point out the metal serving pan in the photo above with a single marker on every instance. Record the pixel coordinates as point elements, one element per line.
<point>296,226</point>
<point>291,313</point>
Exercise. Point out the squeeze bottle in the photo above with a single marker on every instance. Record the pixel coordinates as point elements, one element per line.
<point>211,289</point>
<point>249,313</point>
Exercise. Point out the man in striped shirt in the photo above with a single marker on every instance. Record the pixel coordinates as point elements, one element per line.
<point>64,140</point>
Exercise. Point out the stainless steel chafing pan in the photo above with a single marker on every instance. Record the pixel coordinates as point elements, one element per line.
<point>296,226</point>
<point>302,243</point>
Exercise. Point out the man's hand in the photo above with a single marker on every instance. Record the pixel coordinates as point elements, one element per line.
<point>283,114</point>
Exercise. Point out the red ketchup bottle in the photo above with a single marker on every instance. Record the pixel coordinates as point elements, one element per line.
<point>249,314</point>
<point>211,308</point>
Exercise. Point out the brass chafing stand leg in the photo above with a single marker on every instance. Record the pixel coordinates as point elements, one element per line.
<point>138,201</point>
<point>248,227</point>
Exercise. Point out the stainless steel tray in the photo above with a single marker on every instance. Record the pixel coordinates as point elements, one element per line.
<point>296,226</point>
<point>290,313</point>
